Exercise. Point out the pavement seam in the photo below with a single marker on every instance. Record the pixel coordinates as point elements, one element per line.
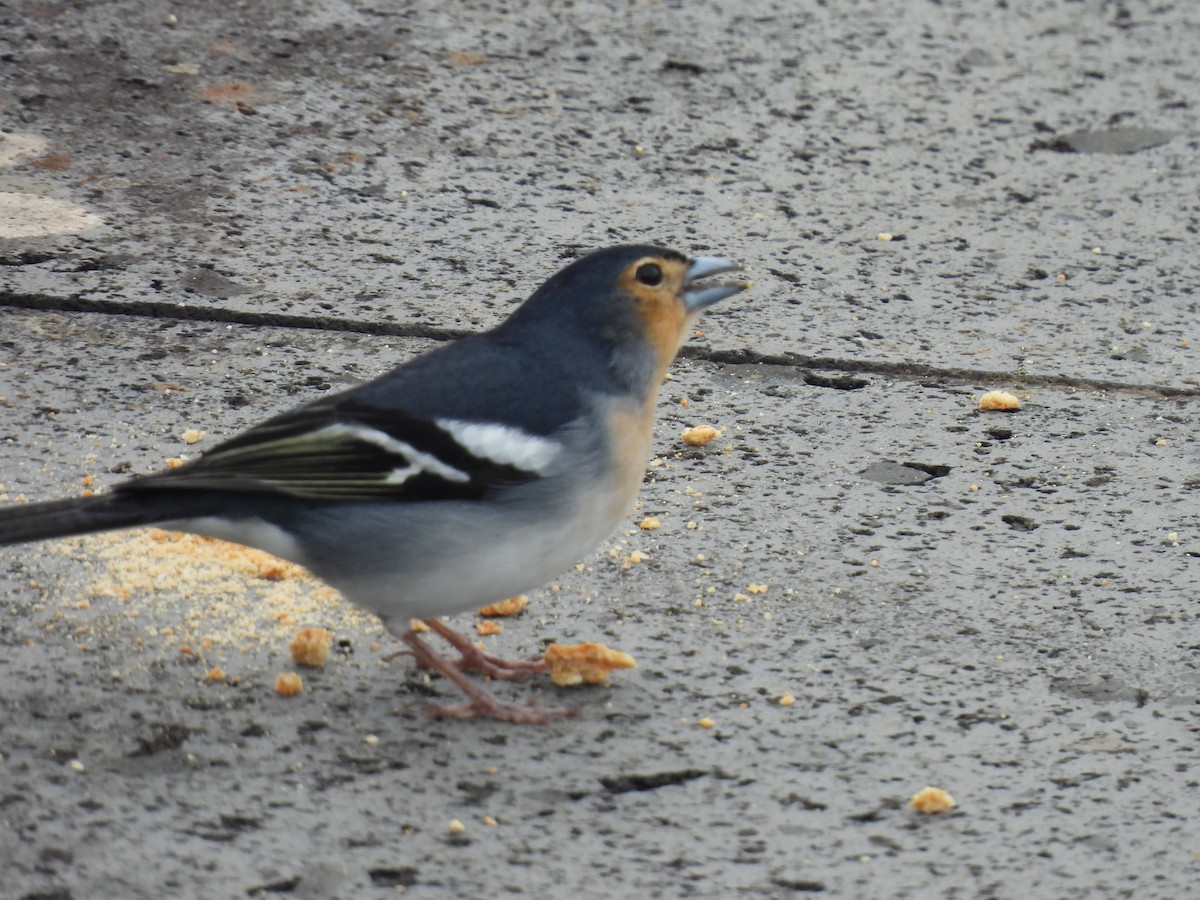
<point>899,370</point>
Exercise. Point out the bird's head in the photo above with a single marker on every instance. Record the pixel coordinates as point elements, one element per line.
<point>638,301</point>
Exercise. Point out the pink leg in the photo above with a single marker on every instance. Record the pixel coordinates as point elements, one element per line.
<point>480,702</point>
<point>475,660</point>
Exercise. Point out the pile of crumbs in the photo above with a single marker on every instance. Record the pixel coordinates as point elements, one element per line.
<point>207,593</point>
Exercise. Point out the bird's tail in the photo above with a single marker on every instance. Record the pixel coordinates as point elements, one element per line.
<point>22,522</point>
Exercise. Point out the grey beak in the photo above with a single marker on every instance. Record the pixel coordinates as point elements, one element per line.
<point>697,298</point>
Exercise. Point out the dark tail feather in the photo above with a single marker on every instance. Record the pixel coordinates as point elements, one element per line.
<point>22,522</point>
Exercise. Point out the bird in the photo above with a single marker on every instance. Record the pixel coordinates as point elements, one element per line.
<point>476,471</point>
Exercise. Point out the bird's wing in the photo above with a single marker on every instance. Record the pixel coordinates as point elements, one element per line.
<point>350,450</point>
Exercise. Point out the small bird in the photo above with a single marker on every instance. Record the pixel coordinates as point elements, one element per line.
<point>477,471</point>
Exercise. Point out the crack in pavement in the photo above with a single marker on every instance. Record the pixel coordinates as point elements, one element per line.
<point>899,370</point>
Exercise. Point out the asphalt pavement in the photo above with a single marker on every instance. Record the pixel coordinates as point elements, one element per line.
<point>865,586</point>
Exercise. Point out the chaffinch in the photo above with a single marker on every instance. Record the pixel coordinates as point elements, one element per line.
<point>472,473</point>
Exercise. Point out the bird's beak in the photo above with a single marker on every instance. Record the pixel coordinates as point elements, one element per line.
<point>697,298</point>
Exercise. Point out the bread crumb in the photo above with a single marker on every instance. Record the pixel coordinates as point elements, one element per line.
<point>416,626</point>
<point>756,589</point>
<point>787,700</point>
<point>700,435</point>
<point>488,820</point>
<point>706,722</point>
<point>215,674</point>
<point>510,607</point>
<point>457,827</point>
<point>192,436</point>
<point>999,400</point>
<point>311,647</point>
<point>650,523</point>
<point>288,684</point>
<point>488,627</point>
<point>571,664</point>
<point>932,800</point>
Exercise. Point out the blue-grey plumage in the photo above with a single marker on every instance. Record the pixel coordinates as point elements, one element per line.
<point>474,472</point>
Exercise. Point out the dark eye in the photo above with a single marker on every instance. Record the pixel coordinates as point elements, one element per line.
<point>649,274</point>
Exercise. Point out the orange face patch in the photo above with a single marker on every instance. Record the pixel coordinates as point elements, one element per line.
<point>633,428</point>
<point>660,305</point>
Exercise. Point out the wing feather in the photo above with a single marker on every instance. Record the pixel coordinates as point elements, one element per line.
<point>351,452</point>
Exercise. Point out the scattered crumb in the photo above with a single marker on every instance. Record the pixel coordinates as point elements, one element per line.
<point>416,626</point>
<point>192,436</point>
<point>288,684</point>
<point>488,627</point>
<point>700,435</point>
<point>457,827</point>
<point>488,820</point>
<point>706,722</point>
<point>787,700</point>
<point>572,664</point>
<point>174,462</point>
<point>311,647</point>
<point>510,607</point>
<point>932,800</point>
<point>999,400</point>
<point>650,523</point>
<point>756,589</point>
<point>883,236</point>
<point>215,674</point>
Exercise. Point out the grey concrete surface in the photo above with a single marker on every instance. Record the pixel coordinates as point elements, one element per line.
<point>296,197</point>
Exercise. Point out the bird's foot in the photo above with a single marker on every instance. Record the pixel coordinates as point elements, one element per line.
<point>472,659</point>
<point>480,703</point>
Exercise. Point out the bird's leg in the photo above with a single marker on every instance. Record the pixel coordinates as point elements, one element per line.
<point>475,660</point>
<point>479,702</point>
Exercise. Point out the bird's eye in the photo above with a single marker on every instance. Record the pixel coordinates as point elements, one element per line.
<point>649,274</point>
